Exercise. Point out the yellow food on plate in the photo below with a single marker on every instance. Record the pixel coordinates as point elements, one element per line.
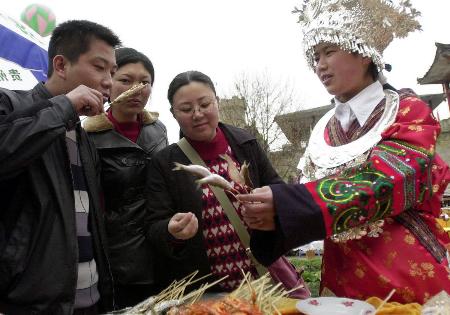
<point>287,306</point>
<point>395,308</point>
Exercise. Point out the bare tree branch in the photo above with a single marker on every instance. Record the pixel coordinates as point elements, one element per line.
<point>257,100</point>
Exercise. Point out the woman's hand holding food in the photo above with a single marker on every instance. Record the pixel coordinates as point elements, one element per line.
<point>259,210</point>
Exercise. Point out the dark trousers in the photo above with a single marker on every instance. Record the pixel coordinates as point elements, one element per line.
<point>91,310</point>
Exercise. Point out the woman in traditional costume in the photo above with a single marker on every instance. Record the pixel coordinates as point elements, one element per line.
<point>372,182</point>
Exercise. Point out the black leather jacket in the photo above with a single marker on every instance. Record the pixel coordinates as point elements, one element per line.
<point>38,241</point>
<point>123,180</point>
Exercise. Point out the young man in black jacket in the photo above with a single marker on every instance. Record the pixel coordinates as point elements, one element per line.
<point>53,257</point>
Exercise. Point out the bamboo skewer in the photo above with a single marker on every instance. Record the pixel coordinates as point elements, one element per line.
<point>260,292</point>
<point>385,300</point>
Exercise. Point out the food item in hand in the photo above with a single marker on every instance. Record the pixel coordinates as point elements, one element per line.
<point>130,92</point>
<point>218,181</point>
<point>246,174</point>
<point>241,177</point>
<point>206,177</point>
<point>197,170</point>
<point>233,171</point>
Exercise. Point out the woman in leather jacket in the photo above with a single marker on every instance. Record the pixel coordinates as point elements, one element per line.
<point>126,137</point>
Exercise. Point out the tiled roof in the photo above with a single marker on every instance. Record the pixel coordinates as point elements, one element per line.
<point>439,71</point>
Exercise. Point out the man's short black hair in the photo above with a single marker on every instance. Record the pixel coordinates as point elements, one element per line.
<point>73,38</point>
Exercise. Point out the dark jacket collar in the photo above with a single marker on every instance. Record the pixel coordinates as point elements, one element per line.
<point>237,139</point>
<point>40,91</point>
<point>239,136</point>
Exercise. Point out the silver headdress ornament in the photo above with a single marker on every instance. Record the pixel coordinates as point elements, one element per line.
<point>363,26</point>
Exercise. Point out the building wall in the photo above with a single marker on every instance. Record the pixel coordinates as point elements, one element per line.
<point>286,160</point>
<point>232,111</point>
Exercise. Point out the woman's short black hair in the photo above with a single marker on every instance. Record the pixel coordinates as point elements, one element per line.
<point>125,55</point>
<point>373,70</point>
<point>185,78</point>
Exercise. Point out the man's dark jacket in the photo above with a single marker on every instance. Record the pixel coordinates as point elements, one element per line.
<point>38,239</point>
<point>170,192</point>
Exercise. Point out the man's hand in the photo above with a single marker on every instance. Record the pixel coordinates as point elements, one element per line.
<point>86,101</point>
<point>259,211</point>
<point>183,226</point>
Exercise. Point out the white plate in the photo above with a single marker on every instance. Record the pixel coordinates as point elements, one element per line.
<point>334,306</point>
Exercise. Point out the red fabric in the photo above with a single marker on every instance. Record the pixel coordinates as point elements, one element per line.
<point>129,130</point>
<point>211,150</point>
<point>401,173</point>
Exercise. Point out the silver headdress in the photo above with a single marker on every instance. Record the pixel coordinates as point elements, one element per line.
<point>362,26</point>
